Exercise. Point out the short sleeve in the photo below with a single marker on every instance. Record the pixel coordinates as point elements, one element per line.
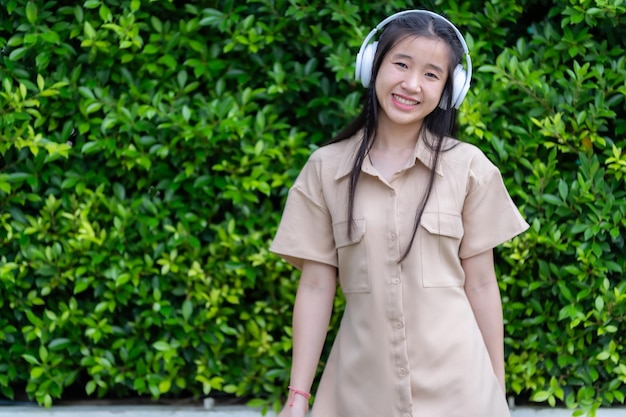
<point>490,217</point>
<point>305,229</point>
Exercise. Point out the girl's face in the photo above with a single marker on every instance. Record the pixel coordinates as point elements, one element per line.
<point>410,81</point>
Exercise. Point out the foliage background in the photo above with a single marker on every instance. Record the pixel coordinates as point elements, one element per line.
<point>147,147</point>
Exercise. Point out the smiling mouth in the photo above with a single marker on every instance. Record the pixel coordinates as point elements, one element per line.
<point>405,101</point>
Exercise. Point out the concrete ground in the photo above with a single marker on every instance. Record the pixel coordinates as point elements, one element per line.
<point>220,411</point>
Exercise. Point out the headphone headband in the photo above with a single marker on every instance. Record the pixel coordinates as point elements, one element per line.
<point>365,58</point>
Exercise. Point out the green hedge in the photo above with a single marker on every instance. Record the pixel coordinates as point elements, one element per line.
<point>147,148</point>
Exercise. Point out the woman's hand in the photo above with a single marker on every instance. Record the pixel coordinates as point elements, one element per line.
<point>300,407</point>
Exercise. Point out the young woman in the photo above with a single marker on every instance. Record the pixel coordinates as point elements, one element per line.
<point>405,217</point>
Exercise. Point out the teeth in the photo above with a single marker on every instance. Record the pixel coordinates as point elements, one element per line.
<point>405,101</point>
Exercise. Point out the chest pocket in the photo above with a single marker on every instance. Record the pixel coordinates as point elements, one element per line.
<point>352,257</point>
<point>439,249</point>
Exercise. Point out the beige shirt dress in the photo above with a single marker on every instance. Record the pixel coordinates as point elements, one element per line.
<point>408,343</point>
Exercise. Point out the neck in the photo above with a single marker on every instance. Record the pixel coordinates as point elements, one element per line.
<point>393,136</point>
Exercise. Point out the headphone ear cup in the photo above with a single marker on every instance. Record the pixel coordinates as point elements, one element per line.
<point>460,86</point>
<point>459,89</point>
<point>365,64</point>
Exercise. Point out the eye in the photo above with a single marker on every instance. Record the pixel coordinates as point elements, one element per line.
<point>432,75</point>
<point>401,65</point>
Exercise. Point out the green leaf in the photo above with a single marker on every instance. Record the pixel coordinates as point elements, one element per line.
<point>105,13</point>
<point>156,24</point>
<point>165,386</point>
<point>40,82</point>
<point>186,113</point>
<point>90,32</point>
<point>91,147</point>
<point>5,186</point>
<point>11,6</point>
<point>50,37</point>
<point>31,12</point>
<point>599,303</point>
<point>15,40</point>
<point>79,14</point>
<point>151,49</point>
<point>552,199</point>
<point>187,309</point>
<point>92,4</point>
<point>161,346</point>
<point>18,53</point>
<point>43,353</point>
<point>256,403</point>
<point>36,372</point>
<point>541,396</point>
<point>31,359</point>
<point>16,177</point>
<point>90,387</point>
<point>59,344</point>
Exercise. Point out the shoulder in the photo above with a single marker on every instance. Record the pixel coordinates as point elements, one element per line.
<point>466,156</point>
<point>329,162</point>
<point>335,152</point>
<point>335,159</point>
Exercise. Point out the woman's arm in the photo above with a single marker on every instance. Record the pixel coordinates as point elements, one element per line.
<point>481,287</point>
<point>311,316</point>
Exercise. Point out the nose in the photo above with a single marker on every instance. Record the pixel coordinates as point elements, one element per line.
<point>413,82</point>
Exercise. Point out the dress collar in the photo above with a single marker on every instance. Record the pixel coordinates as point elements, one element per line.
<point>421,153</point>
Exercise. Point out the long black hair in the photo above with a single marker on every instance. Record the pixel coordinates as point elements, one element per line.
<point>439,124</point>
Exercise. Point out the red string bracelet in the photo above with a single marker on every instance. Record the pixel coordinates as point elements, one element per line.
<point>295,391</point>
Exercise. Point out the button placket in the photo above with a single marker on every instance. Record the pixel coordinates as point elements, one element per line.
<point>395,308</point>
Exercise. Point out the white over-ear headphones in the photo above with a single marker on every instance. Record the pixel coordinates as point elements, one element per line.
<point>461,77</point>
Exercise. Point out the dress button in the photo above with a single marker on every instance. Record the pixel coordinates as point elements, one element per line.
<point>401,371</point>
<point>393,236</point>
<point>395,280</point>
<point>398,325</point>
<point>392,193</point>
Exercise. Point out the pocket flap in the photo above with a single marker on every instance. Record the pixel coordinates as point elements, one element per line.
<point>340,231</point>
<point>444,224</point>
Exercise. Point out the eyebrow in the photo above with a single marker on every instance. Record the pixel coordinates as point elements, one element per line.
<point>436,68</point>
